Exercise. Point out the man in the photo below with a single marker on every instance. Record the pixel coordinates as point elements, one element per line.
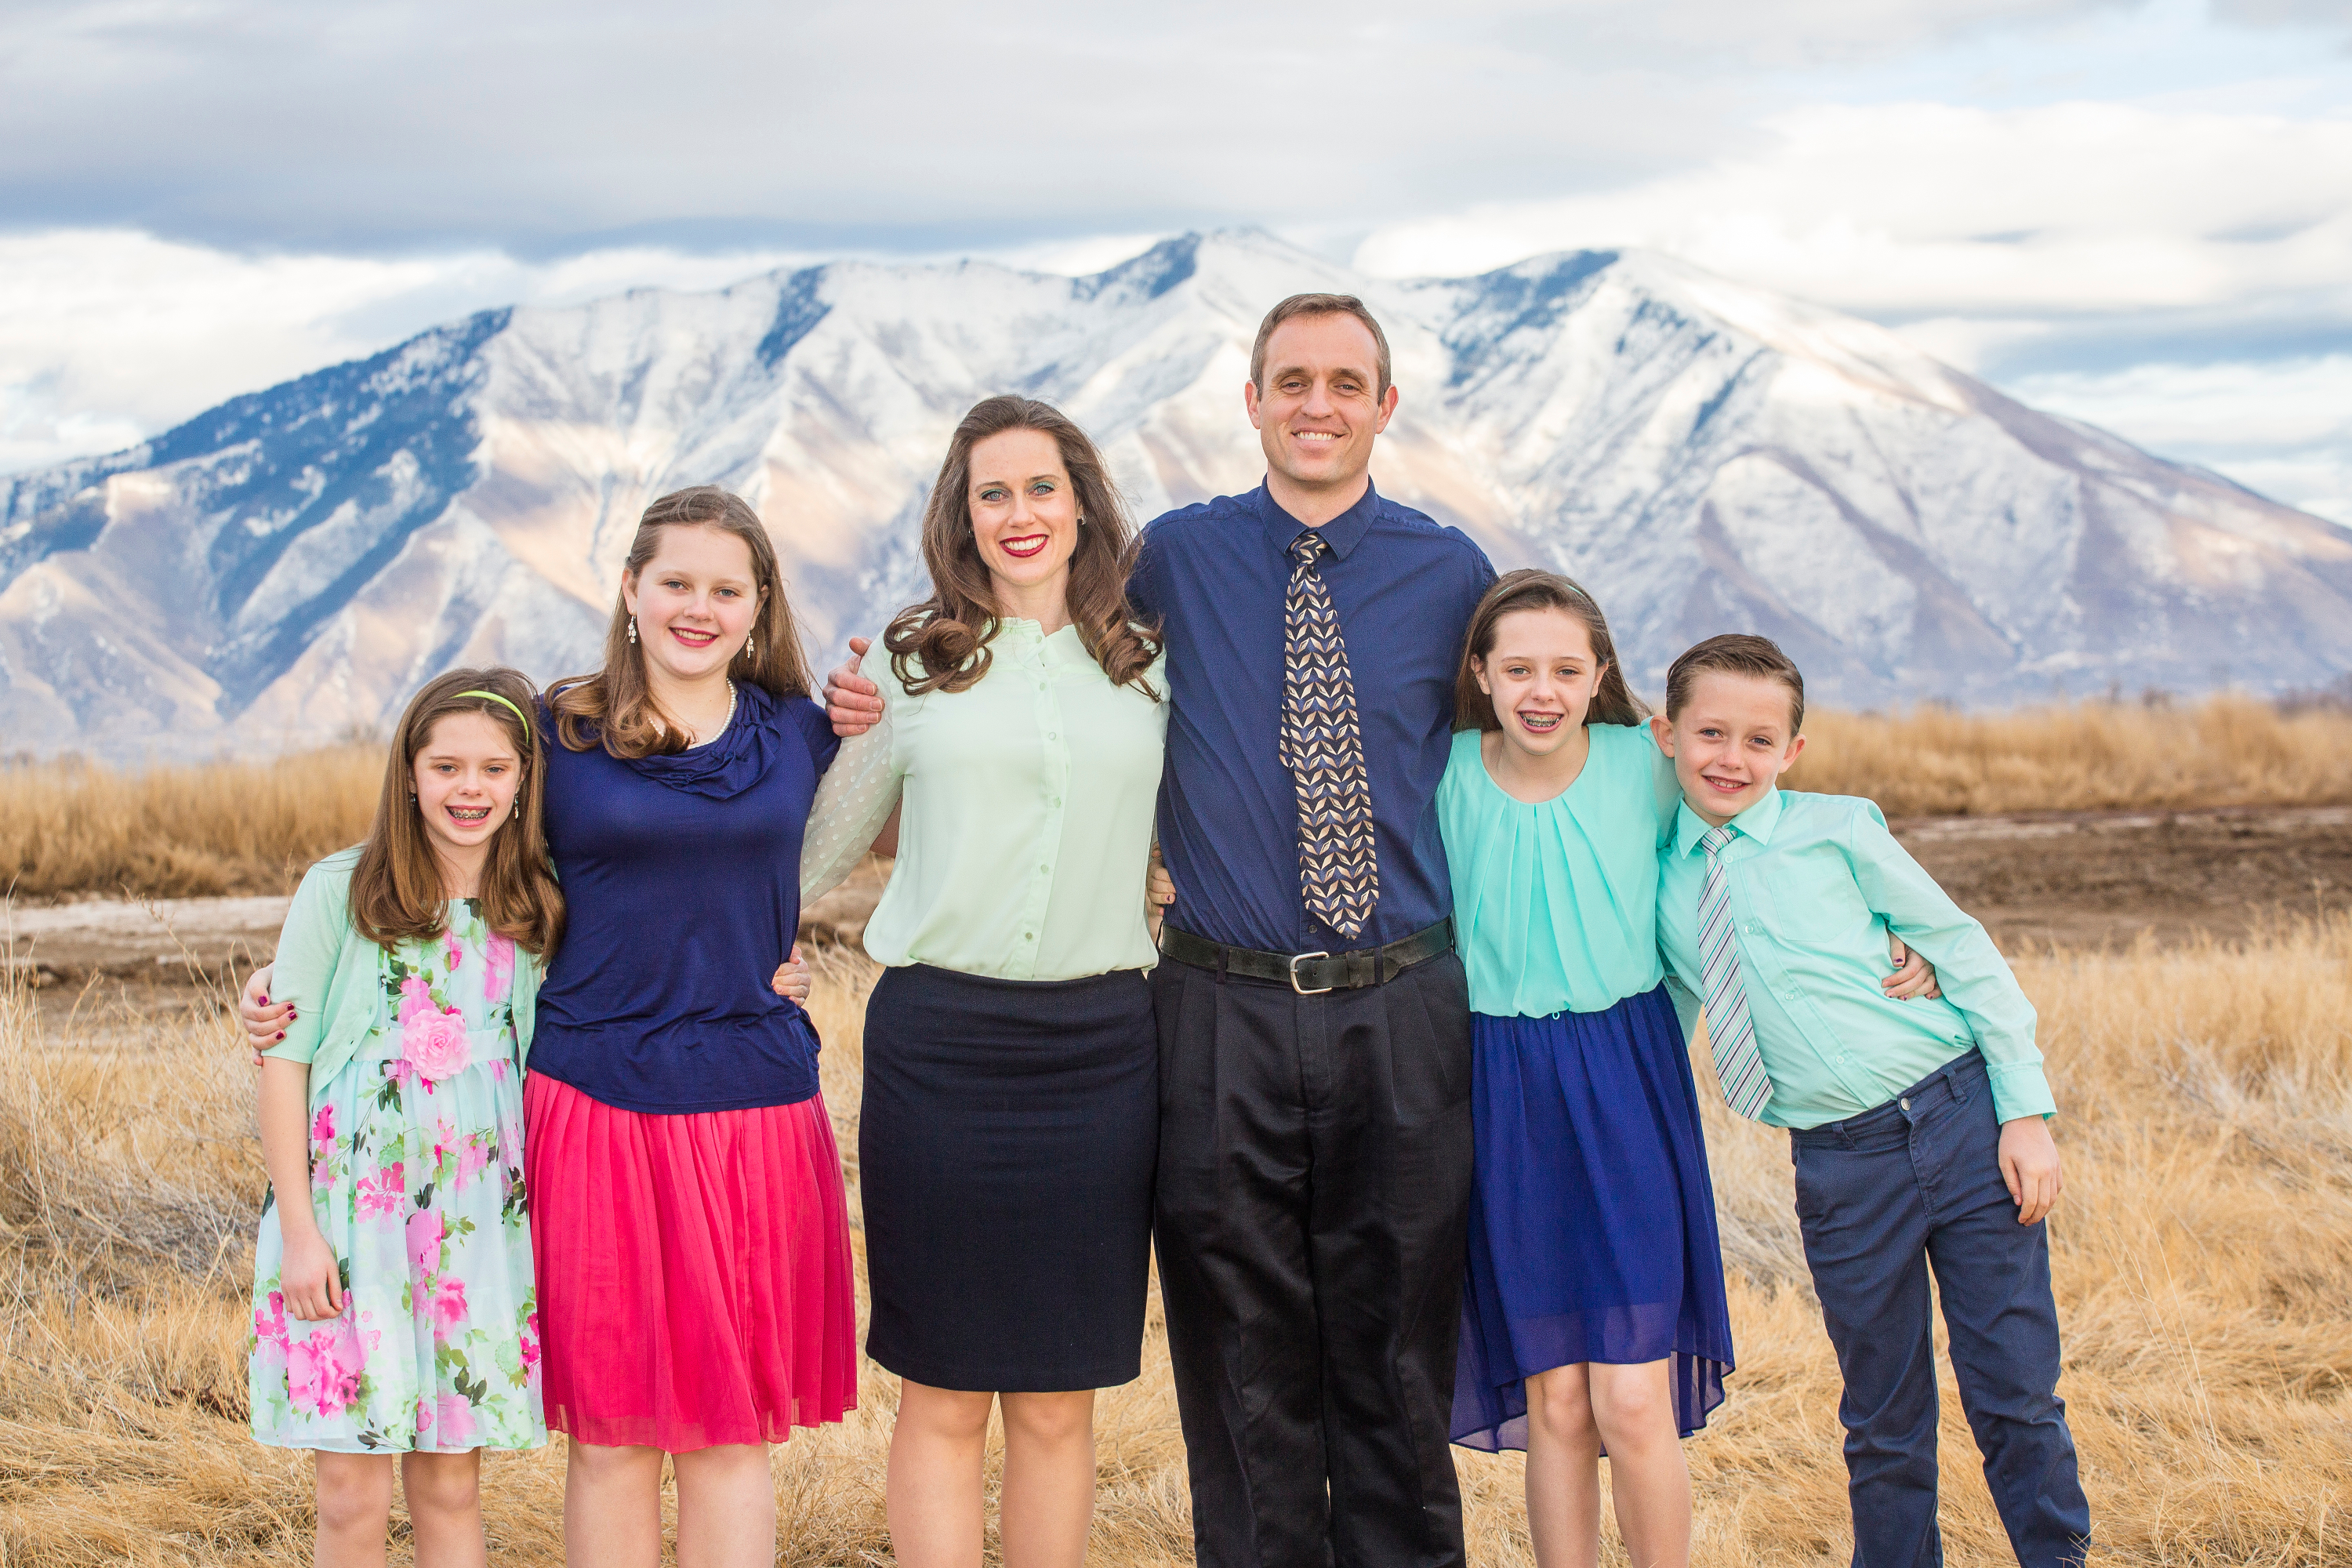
<point>1313,1026</point>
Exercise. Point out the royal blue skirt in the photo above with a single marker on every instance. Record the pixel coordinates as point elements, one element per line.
<point>1593,1231</point>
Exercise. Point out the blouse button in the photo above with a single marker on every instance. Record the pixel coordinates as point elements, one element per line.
<point>1055,800</point>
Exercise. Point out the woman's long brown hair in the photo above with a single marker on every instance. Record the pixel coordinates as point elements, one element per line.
<point>948,633</point>
<point>1614,702</point>
<point>397,891</point>
<point>614,708</point>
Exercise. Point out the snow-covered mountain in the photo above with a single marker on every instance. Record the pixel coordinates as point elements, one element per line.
<point>1704,456</point>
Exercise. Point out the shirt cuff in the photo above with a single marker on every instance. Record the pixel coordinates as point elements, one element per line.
<point>2021,1090</point>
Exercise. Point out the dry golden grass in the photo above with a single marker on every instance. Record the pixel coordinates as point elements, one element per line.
<point>72,828</point>
<point>2203,1261</point>
<point>2089,757</point>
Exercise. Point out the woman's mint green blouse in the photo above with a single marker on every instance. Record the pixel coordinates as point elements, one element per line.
<point>1026,828</point>
<point>1556,903</point>
<point>334,976</point>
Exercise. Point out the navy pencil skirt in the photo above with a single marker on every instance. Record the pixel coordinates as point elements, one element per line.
<point>1006,1151</point>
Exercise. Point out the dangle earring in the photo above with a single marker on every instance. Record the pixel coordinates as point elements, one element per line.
<point>633,631</point>
<point>749,649</point>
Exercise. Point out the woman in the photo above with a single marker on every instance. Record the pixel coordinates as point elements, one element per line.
<point>693,1264</point>
<point>1010,1119</point>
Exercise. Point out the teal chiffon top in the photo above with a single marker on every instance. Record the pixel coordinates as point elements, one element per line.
<point>1556,902</point>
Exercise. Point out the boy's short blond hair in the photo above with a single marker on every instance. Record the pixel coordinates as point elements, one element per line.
<point>1737,653</point>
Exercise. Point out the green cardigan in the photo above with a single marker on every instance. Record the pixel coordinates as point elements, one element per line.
<point>334,976</point>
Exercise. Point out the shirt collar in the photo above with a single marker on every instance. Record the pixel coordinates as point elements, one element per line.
<point>1756,823</point>
<point>1342,534</point>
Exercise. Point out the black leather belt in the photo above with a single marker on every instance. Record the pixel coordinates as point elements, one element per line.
<point>1311,974</point>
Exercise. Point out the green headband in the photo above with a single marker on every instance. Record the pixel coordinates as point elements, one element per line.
<point>509,703</point>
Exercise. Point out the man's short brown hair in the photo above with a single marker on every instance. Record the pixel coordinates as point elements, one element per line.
<point>1737,653</point>
<point>1317,305</point>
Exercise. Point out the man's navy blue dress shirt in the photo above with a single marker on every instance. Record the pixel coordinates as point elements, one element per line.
<point>1404,587</point>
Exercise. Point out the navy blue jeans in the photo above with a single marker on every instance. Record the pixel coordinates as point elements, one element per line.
<point>1882,1197</point>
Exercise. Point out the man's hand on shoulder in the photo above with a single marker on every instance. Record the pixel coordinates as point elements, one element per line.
<point>852,702</point>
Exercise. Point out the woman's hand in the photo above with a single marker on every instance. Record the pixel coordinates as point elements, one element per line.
<point>1914,976</point>
<point>309,1277</point>
<point>790,980</point>
<point>1159,892</point>
<point>265,1021</point>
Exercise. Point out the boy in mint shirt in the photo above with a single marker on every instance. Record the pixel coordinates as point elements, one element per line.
<point>1919,1128</point>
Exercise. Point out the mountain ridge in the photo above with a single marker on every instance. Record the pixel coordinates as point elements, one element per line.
<point>1704,456</point>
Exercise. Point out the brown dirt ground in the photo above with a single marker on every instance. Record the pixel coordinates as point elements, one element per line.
<point>2083,879</point>
<point>2103,878</point>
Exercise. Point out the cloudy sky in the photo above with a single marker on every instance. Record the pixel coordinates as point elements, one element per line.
<point>2138,212</point>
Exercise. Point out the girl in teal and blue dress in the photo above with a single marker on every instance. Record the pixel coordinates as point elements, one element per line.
<point>393,1306</point>
<point>1593,1314</point>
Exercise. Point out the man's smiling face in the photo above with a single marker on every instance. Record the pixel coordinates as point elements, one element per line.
<point>1322,402</point>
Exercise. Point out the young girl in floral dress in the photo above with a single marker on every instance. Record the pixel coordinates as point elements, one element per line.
<point>392,1304</point>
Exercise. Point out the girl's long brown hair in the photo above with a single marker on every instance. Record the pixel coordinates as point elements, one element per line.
<point>1614,702</point>
<point>614,708</point>
<point>397,892</point>
<point>948,633</point>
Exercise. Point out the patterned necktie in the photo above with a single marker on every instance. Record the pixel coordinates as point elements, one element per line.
<point>1730,1032</point>
<point>1338,872</point>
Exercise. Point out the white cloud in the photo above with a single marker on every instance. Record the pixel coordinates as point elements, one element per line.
<point>2073,209</point>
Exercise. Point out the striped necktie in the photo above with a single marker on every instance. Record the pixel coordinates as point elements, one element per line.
<point>1339,869</point>
<point>1730,1032</point>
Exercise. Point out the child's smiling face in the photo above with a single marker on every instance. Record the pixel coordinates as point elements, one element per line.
<point>465,777</point>
<point>1731,741</point>
<point>1541,676</point>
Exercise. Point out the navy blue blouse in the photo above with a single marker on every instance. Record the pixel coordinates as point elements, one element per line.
<point>681,876</point>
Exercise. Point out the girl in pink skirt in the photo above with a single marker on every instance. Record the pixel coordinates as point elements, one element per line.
<point>695,1295</point>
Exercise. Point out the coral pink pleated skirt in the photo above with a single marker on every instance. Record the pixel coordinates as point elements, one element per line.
<point>694,1271</point>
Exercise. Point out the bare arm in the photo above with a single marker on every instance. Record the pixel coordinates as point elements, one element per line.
<point>308,1276</point>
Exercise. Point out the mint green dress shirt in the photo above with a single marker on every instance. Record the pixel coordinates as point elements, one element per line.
<point>1556,901</point>
<point>1026,828</point>
<point>1816,883</point>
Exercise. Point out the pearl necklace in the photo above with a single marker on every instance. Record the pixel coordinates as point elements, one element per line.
<point>694,737</point>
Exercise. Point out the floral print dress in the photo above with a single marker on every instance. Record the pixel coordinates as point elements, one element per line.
<point>416,1178</point>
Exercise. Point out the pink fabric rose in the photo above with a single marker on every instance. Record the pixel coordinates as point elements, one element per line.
<point>457,1418</point>
<point>270,1322</point>
<point>425,1241</point>
<point>323,1373</point>
<point>381,1193</point>
<point>415,996</point>
<point>498,961</point>
<point>448,1306</point>
<point>435,1044</point>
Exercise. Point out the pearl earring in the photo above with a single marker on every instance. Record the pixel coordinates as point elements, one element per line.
<point>633,631</point>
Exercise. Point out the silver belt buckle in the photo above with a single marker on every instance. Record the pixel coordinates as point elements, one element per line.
<point>1295,960</point>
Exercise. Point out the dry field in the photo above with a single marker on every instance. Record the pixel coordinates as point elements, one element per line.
<point>2203,1258</point>
<point>2088,756</point>
<point>71,830</point>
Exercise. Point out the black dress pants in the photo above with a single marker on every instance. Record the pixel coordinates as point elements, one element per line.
<point>1313,1201</point>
